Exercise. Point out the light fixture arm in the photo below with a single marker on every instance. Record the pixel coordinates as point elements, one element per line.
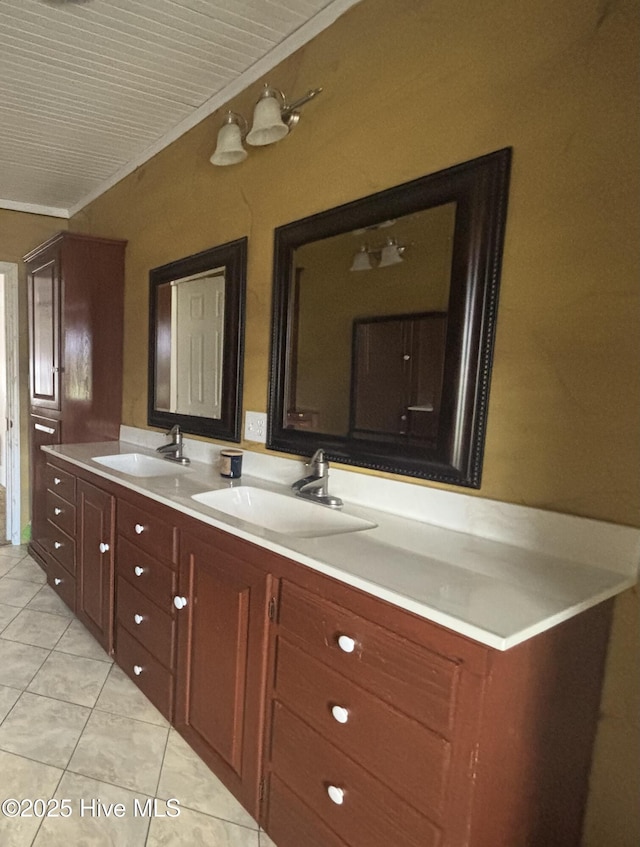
<point>289,110</point>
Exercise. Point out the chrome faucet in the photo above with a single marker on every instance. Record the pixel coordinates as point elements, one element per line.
<point>173,450</point>
<point>316,486</point>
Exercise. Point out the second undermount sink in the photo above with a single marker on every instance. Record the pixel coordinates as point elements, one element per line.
<point>282,513</point>
<point>138,464</point>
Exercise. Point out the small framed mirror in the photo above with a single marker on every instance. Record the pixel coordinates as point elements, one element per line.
<point>196,342</point>
<point>384,316</point>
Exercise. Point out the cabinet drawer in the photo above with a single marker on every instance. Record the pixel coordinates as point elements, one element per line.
<point>146,574</point>
<point>417,681</point>
<point>62,583</point>
<point>60,547</point>
<point>61,513</point>
<point>153,534</point>
<point>144,620</point>
<point>291,823</point>
<point>154,680</point>
<point>63,483</point>
<point>370,815</point>
<point>412,760</point>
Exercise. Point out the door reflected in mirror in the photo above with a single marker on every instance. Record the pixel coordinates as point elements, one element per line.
<point>196,342</point>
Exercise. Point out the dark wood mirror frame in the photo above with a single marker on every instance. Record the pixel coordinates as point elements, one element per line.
<point>233,257</point>
<point>479,188</point>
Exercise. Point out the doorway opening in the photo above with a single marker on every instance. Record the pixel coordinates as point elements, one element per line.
<point>9,406</point>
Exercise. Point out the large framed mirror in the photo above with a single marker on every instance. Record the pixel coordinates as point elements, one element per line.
<point>196,342</point>
<point>384,313</point>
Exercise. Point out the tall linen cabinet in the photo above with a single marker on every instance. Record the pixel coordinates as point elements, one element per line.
<point>76,298</point>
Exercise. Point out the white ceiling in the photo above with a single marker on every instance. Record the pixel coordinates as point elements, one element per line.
<point>90,89</point>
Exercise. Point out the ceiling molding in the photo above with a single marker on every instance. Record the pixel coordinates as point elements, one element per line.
<point>34,209</point>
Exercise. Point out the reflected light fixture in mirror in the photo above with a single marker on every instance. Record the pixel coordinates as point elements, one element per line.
<point>389,254</point>
<point>273,118</point>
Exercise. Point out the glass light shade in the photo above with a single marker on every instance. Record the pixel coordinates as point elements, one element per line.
<point>361,261</point>
<point>390,255</point>
<point>229,149</point>
<point>268,126</point>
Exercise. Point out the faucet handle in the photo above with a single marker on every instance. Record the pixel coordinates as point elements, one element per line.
<point>318,458</point>
<point>175,430</point>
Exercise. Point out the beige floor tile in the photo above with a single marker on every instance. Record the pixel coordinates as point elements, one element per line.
<point>17,592</point>
<point>265,841</point>
<point>197,830</point>
<point>46,600</point>
<point>6,565</point>
<point>23,779</point>
<point>78,641</point>
<point>41,629</point>
<point>29,570</point>
<point>13,551</point>
<point>19,663</point>
<point>84,827</point>
<point>121,697</point>
<point>71,678</point>
<point>43,729</point>
<point>121,751</point>
<point>8,697</point>
<point>186,777</point>
<point>7,614</point>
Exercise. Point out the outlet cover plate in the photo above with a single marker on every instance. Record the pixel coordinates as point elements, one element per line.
<point>255,426</point>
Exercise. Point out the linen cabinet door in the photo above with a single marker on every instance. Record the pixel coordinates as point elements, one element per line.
<point>222,624</point>
<point>95,564</point>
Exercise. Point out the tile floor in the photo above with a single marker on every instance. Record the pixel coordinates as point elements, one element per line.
<point>74,728</point>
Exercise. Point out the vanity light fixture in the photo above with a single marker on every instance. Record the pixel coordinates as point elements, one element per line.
<point>273,118</point>
<point>389,254</point>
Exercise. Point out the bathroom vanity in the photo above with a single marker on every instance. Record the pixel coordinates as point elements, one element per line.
<point>341,709</point>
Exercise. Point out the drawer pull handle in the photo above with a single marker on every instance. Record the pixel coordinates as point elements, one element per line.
<point>346,643</point>
<point>56,480</point>
<point>57,580</point>
<point>138,571</point>
<point>104,548</point>
<point>57,544</point>
<point>41,428</point>
<point>57,511</point>
<point>336,794</point>
<point>179,602</point>
<point>138,619</point>
<point>137,670</point>
<point>139,529</point>
<point>340,714</point>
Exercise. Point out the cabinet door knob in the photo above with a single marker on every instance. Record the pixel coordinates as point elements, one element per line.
<point>340,714</point>
<point>57,511</point>
<point>138,571</point>
<point>179,602</point>
<point>137,670</point>
<point>57,544</point>
<point>56,480</point>
<point>138,619</point>
<point>104,548</point>
<point>336,794</point>
<point>406,357</point>
<point>139,529</point>
<point>57,580</point>
<point>346,643</point>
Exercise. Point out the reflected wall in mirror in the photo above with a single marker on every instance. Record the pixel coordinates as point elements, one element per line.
<point>196,333</point>
<point>383,324</point>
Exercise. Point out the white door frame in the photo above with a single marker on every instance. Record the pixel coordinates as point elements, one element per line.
<point>12,331</point>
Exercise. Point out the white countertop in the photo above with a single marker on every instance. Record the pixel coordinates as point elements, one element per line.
<point>495,593</point>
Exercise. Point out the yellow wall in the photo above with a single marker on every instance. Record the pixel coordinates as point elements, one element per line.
<point>410,88</point>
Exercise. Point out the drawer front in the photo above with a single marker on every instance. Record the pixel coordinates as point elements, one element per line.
<point>144,620</point>
<point>417,681</point>
<point>409,758</point>
<point>61,547</point>
<point>153,679</point>
<point>370,815</point>
<point>63,483</point>
<point>291,823</point>
<point>62,583</point>
<point>151,533</point>
<point>61,513</point>
<point>146,574</point>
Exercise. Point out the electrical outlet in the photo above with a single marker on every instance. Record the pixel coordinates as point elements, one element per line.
<point>255,426</point>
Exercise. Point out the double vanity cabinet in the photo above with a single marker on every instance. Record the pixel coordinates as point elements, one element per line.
<point>336,718</point>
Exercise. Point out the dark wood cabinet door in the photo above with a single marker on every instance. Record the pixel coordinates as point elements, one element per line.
<point>221,650</point>
<point>96,537</point>
<point>44,335</point>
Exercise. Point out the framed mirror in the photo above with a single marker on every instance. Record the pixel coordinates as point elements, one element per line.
<point>196,338</point>
<point>384,314</point>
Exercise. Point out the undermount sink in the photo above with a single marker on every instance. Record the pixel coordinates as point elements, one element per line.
<point>137,464</point>
<point>288,515</point>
